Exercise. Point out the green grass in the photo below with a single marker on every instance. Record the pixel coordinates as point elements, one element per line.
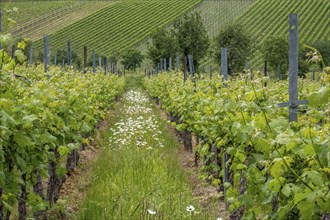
<point>130,178</point>
<point>120,26</point>
<point>266,18</point>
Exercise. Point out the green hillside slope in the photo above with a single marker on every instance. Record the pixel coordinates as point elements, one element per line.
<point>270,18</point>
<point>119,26</point>
<point>218,13</point>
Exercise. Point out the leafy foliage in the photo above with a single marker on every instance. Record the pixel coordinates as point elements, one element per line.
<point>44,118</point>
<point>238,43</point>
<point>275,52</point>
<point>192,37</point>
<point>132,59</point>
<point>163,45</point>
<point>283,165</point>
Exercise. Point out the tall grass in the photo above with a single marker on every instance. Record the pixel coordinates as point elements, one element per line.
<point>139,172</point>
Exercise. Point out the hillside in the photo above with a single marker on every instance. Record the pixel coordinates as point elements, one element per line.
<point>119,26</point>
<point>270,18</point>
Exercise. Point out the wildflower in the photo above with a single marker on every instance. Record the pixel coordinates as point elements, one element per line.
<point>151,212</point>
<point>190,209</point>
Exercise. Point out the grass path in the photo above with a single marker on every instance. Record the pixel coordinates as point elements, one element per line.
<point>138,174</point>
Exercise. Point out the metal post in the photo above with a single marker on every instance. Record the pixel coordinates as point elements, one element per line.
<point>68,44</point>
<point>0,26</point>
<point>170,64</point>
<point>211,69</point>
<point>46,53</point>
<point>293,66</point>
<point>293,70</point>
<point>106,64</point>
<point>191,65</point>
<point>85,59</point>
<point>185,69</point>
<point>177,63</point>
<point>30,55</point>
<point>265,72</point>
<point>55,60</point>
<point>165,64</point>
<point>224,64</point>
<point>93,61</point>
<point>100,62</point>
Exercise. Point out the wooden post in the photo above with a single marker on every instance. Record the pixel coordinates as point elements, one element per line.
<point>224,63</point>
<point>293,103</point>
<point>185,69</point>
<point>30,55</point>
<point>170,64</point>
<point>93,61</point>
<point>68,44</point>
<point>85,59</point>
<point>13,51</point>
<point>191,65</point>
<point>46,53</point>
<point>177,63</point>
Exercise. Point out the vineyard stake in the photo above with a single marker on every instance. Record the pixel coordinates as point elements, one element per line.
<point>224,64</point>
<point>30,55</point>
<point>211,69</point>
<point>279,72</point>
<point>85,59</point>
<point>93,62</point>
<point>265,72</point>
<point>100,62</point>
<point>165,64</point>
<point>185,69</point>
<point>170,64</point>
<point>161,64</point>
<point>68,45</point>
<point>46,53</point>
<point>0,26</point>
<point>55,60</point>
<point>177,63</point>
<point>191,65</point>
<point>105,66</point>
<point>293,103</point>
<point>13,51</point>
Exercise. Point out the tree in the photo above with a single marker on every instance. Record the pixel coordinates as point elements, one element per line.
<point>132,59</point>
<point>191,37</point>
<point>238,43</point>
<point>275,52</point>
<point>163,45</point>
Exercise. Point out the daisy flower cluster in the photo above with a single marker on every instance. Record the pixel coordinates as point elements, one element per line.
<point>139,125</point>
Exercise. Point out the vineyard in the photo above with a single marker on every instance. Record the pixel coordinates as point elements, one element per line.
<point>276,169</point>
<point>142,126</point>
<point>119,26</point>
<point>265,18</point>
